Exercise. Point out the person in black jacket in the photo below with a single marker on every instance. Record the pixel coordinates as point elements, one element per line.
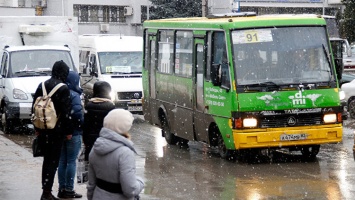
<point>96,110</point>
<point>71,147</point>
<point>51,140</point>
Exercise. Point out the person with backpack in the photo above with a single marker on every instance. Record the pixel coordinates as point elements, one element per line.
<point>112,166</point>
<point>96,110</point>
<point>71,148</point>
<point>52,139</point>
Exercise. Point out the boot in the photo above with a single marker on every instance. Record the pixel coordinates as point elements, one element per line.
<point>65,194</point>
<point>72,194</point>
<point>47,195</point>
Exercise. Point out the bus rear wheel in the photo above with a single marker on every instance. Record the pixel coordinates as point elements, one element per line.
<point>169,136</point>
<point>224,152</point>
<point>310,151</point>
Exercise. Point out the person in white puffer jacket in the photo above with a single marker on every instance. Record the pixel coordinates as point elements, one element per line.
<point>112,167</point>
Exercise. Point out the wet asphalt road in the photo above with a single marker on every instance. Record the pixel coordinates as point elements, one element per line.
<point>196,171</point>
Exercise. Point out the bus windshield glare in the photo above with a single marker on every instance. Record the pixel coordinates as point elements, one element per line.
<point>287,55</point>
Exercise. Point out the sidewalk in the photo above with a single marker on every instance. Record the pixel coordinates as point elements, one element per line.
<point>20,173</point>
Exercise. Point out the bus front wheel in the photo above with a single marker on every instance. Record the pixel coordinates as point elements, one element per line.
<point>224,152</point>
<point>169,136</point>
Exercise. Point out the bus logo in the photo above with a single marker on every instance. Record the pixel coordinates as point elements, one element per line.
<point>291,121</point>
<point>298,99</point>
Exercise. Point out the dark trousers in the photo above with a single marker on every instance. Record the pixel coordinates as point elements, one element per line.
<point>87,152</point>
<point>52,143</point>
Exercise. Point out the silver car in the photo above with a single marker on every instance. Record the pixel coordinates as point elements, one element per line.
<point>349,60</point>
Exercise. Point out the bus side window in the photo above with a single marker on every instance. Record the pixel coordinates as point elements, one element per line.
<point>208,57</point>
<point>152,54</point>
<point>183,53</point>
<point>165,51</point>
<point>219,57</point>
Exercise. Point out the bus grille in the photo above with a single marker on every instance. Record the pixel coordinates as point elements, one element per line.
<point>129,95</point>
<point>282,121</point>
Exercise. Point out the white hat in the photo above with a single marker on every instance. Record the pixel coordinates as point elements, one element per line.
<point>119,120</point>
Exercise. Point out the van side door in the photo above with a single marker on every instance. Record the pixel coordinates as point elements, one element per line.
<point>3,73</point>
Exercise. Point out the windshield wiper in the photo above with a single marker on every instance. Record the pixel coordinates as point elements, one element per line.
<point>327,55</point>
<point>262,86</point>
<point>30,73</point>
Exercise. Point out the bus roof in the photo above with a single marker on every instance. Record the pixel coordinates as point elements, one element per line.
<point>228,22</point>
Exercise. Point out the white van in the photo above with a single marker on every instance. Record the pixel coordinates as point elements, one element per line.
<point>117,60</point>
<point>29,46</point>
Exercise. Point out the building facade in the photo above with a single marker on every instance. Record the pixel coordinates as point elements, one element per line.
<point>322,7</point>
<point>94,16</point>
<point>126,16</point>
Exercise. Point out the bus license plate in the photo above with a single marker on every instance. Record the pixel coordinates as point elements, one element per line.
<point>135,108</point>
<point>287,137</point>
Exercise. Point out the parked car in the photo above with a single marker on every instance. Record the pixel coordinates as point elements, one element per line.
<point>346,78</point>
<point>349,59</point>
<point>348,87</point>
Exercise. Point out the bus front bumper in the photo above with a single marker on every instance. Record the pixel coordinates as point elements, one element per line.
<point>285,137</point>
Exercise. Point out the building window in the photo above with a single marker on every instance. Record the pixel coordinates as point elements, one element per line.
<point>104,14</point>
<point>121,16</point>
<point>144,15</point>
<point>95,13</point>
<point>113,14</point>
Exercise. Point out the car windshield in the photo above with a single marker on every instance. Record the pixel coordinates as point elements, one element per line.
<point>120,62</point>
<point>37,62</point>
<point>290,55</point>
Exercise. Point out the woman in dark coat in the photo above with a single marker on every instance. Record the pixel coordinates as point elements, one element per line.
<point>96,110</point>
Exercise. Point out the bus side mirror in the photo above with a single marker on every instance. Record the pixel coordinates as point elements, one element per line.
<point>216,74</point>
<point>92,69</point>
<point>93,73</point>
<point>339,68</point>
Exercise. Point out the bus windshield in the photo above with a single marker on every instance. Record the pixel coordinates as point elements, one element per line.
<point>120,62</point>
<point>287,55</point>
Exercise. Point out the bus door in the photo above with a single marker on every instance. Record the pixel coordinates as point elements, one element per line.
<point>150,63</point>
<point>199,117</point>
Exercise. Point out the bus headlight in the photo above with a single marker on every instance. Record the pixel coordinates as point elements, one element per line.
<point>250,122</point>
<point>341,95</point>
<point>330,118</point>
